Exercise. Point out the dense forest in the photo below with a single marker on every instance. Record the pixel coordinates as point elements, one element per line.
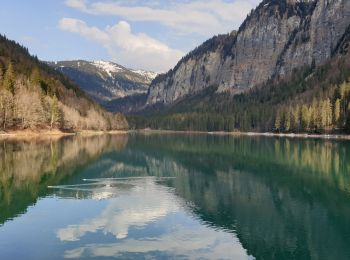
<point>312,100</point>
<point>34,96</point>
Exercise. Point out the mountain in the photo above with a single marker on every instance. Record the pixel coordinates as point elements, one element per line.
<point>34,95</point>
<point>106,82</point>
<point>287,69</point>
<point>277,38</point>
<point>311,100</point>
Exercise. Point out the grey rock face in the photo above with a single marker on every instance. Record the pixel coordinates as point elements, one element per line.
<point>278,36</point>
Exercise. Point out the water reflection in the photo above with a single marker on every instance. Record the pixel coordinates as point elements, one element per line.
<point>141,203</point>
<point>143,206</point>
<point>280,203</point>
<point>176,196</point>
<point>29,166</point>
<point>204,244</point>
<point>95,191</point>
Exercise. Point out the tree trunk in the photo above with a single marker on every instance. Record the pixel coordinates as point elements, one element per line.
<point>5,118</point>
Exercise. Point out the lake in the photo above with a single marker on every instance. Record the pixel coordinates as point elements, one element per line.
<point>174,196</point>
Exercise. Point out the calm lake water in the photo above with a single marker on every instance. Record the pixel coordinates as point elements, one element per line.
<point>174,196</point>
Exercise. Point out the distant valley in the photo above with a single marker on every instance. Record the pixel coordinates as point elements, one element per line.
<point>115,87</point>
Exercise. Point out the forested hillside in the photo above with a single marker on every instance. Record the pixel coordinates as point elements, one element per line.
<point>312,99</point>
<point>35,96</point>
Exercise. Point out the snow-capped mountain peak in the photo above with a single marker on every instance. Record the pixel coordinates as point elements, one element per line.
<point>111,68</point>
<point>147,74</point>
<point>106,81</point>
<point>108,67</point>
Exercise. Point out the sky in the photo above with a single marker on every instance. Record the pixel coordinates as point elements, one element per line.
<point>139,34</point>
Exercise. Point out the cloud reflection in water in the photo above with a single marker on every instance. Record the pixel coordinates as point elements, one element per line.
<point>141,204</point>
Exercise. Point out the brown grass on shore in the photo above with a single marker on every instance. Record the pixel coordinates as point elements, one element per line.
<point>47,133</point>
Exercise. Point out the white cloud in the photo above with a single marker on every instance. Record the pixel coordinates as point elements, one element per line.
<point>207,17</point>
<point>185,20</point>
<point>78,4</point>
<point>125,47</point>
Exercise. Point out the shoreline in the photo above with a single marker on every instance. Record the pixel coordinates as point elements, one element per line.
<point>302,136</point>
<point>59,134</point>
<point>53,133</point>
<point>266,134</point>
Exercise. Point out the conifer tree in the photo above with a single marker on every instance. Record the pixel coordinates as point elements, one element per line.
<point>337,112</point>
<point>317,108</point>
<point>278,121</point>
<point>329,112</point>
<point>305,117</point>
<point>35,78</point>
<point>326,113</point>
<point>343,90</point>
<point>323,109</point>
<point>313,114</point>
<point>287,120</point>
<point>6,108</point>
<point>9,79</point>
<point>55,113</point>
<point>296,117</point>
<point>1,77</point>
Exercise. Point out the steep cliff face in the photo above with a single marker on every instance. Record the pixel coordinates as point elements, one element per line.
<point>276,38</point>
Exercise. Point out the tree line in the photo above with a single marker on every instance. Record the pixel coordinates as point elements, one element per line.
<point>325,115</point>
<point>311,100</point>
<point>322,115</point>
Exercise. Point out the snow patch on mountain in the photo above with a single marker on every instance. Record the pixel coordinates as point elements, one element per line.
<point>108,67</point>
<point>111,68</point>
<point>106,81</point>
<point>147,74</point>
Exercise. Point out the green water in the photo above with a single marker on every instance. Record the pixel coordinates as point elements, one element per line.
<point>174,197</point>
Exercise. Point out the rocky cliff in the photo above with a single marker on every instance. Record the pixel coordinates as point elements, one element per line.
<point>276,38</point>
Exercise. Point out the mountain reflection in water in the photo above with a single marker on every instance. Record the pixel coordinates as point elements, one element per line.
<point>174,196</point>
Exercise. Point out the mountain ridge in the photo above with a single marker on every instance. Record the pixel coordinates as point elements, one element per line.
<point>276,38</point>
<point>105,80</point>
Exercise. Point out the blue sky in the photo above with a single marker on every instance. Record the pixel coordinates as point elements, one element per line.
<point>148,34</point>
